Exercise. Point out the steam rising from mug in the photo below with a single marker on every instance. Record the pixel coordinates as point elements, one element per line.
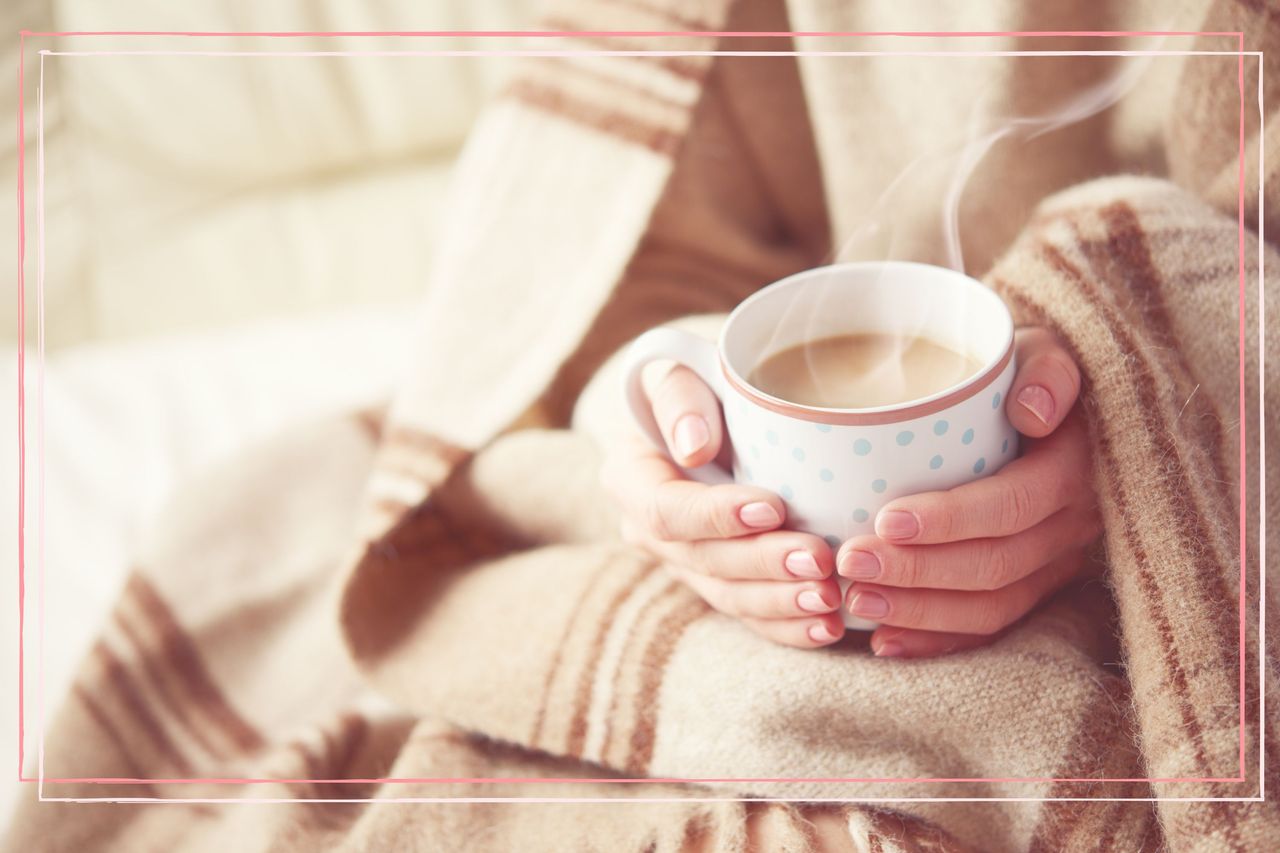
<point>981,136</point>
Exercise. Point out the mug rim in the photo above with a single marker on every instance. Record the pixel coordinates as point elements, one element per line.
<point>906,410</point>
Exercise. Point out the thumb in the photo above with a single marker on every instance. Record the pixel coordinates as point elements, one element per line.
<point>1046,385</point>
<point>688,415</point>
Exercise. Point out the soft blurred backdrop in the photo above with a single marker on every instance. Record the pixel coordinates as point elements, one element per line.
<point>231,244</point>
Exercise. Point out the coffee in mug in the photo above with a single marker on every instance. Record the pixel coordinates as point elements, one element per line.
<point>860,370</point>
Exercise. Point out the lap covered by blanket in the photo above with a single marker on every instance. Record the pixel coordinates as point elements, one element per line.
<point>500,630</point>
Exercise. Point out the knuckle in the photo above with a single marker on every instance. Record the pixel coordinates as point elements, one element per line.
<point>1066,367</point>
<point>1014,508</point>
<point>769,561</point>
<point>656,521</point>
<point>994,567</point>
<point>669,397</point>
<point>910,610</point>
<point>941,517</point>
<point>990,614</point>
<point>905,565</point>
<point>717,518</point>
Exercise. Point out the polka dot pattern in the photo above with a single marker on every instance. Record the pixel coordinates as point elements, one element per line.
<point>835,478</point>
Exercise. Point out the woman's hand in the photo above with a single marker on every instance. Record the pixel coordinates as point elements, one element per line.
<point>949,570</point>
<point>725,542</point>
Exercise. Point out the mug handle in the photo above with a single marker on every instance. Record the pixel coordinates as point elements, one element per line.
<point>694,352</point>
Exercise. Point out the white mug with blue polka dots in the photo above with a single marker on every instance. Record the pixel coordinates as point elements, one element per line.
<point>836,468</point>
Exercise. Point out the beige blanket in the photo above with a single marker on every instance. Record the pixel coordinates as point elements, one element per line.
<point>437,594</point>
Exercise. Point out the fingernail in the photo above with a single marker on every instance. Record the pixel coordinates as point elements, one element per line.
<point>897,524</point>
<point>802,564</point>
<point>759,514</point>
<point>691,435</point>
<point>861,565</point>
<point>890,649</point>
<point>869,604</point>
<point>820,633</point>
<point>810,602</point>
<point>1037,400</point>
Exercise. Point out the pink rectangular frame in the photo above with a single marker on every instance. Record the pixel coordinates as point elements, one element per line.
<point>557,34</point>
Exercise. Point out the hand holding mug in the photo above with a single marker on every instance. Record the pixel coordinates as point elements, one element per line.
<point>725,541</point>
<point>948,570</point>
<point>728,540</point>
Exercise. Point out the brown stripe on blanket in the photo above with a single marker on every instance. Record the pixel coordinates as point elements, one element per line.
<point>899,831</point>
<point>623,711</point>
<point>307,768</point>
<point>652,671</point>
<point>587,677</point>
<point>114,737</point>
<point>152,660</point>
<point>1101,747</point>
<point>1127,246</point>
<point>535,734</point>
<point>1130,240</point>
<point>677,66</point>
<point>1151,594</point>
<point>115,677</point>
<point>1137,277</point>
<point>608,88</point>
<point>610,122</point>
<point>342,745</point>
<point>1150,589</point>
<point>592,616</point>
<point>400,569</point>
<point>188,664</point>
<point>1192,530</point>
<point>1144,833</point>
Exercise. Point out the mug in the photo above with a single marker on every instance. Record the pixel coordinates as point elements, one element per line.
<point>835,468</point>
